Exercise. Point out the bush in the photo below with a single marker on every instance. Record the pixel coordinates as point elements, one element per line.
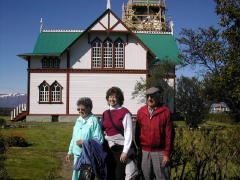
<point>2,145</point>
<point>206,154</point>
<point>2,123</point>
<point>225,118</point>
<point>17,139</point>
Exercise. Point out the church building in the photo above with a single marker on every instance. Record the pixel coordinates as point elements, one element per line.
<point>68,64</point>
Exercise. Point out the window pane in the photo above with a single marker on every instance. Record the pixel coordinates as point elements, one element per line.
<point>107,55</point>
<point>97,54</point>
<point>119,55</point>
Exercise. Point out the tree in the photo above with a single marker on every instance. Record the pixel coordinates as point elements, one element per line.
<point>158,76</point>
<point>189,101</point>
<point>218,52</point>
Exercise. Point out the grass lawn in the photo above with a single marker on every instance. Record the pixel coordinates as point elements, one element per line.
<point>40,160</point>
<point>49,144</point>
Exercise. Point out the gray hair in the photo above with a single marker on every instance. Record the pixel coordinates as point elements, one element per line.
<point>86,101</point>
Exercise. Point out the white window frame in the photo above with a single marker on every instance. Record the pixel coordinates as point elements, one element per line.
<point>97,54</point>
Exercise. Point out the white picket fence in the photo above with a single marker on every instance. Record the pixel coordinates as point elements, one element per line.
<point>18,110</point>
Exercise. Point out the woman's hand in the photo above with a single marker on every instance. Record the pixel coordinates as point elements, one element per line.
<point>79,142</point>
<point>123,157</point>
<point>67,158</point>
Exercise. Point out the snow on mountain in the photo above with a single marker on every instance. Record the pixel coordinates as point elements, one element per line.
<point>12,99</point>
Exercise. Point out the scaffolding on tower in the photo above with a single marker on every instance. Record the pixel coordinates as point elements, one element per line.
<point>146,15</point>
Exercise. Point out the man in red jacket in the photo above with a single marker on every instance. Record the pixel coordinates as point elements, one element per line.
<point>154,136</point>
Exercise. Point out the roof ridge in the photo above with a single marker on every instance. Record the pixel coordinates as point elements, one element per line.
<point>152,32</point>
<point>62,30</point>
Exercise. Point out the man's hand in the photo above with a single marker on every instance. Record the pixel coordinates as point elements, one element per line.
<point>165,160</point>
<point>79,142</point>
<point>67,158</point>
<point>123,157</point>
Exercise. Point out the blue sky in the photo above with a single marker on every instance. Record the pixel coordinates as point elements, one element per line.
<point>19,28</point>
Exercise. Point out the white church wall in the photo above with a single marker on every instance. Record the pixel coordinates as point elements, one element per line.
<point>80,53</point>
<point>95,86</point>
<point>35,80</point>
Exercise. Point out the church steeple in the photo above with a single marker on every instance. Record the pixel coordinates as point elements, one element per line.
<point>108,4</point>
<point>146,15</point>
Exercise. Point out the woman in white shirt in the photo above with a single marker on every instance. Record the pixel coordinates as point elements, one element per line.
<point>117,125</point>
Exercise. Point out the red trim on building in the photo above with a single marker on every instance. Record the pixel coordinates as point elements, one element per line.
<point>67,92</point>
<point>105,70</point>
<point>28,86</point>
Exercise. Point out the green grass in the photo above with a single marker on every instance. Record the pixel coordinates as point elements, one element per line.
<point>42,157</point>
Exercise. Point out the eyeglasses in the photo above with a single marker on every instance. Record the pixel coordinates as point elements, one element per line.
<point>150,95</point>
<point>81,110</point>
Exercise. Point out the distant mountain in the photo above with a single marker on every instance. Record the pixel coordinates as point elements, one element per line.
<point>12,100</point>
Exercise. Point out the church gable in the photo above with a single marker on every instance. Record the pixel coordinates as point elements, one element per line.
<point>108,22</point>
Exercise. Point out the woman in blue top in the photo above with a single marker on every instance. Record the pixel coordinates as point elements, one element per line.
<point>86,127</point>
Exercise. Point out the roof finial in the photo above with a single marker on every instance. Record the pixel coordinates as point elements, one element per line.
<point>108,4</point>
<point>41,24</point>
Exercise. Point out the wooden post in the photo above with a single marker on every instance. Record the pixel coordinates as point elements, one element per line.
<point>16,110</point>
<point>14,113</point>
<point>19,108</point>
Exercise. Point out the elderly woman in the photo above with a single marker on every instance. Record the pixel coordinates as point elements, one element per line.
<point>117,124</point>
<point>86,127</point>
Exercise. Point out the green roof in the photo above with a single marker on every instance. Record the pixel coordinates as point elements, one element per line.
<point>163,46</point>
<point>54,42</point>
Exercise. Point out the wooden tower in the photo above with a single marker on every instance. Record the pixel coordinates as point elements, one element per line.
<point>146,15</point>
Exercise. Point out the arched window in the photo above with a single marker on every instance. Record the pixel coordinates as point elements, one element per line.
<point>119,54</point>
<point>108,53</point>
<point>56,92</point>
<point>44,92</point>
<point>50,62</point>
<point>96,54</point>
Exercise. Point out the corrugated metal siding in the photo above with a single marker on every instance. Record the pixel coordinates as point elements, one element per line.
<point>54,42</point>
<point>163,46</point>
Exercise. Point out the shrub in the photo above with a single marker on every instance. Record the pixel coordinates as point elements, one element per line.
<point>17,139</point>
<point>225,118</point>
<point>2,123</point>
<point>206,154</point>
<point>2,144</point>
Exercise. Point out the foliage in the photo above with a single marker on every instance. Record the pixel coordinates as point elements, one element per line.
<point>217,51</point>
<point>206,154</point>
<point>3,149</point>
<point>2,123</point>
<point>158,76</point>
<point>221,117</point>
<point>189,101</point>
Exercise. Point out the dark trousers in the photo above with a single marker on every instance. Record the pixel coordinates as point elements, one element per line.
<point>116,169</point>
<point>119,166</point>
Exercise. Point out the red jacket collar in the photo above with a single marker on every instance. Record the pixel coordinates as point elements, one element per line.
<point>156,111</point>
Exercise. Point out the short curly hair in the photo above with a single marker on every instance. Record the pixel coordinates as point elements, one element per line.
<point>86,101</point>
<point>118,92</point>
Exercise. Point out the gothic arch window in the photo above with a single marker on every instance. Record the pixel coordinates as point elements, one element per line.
<point>50,62</point>
<point>44,90</point>
<point>108,53</point>
<point>119,53</point>
<point>97,53</point>
<point>56,92</point>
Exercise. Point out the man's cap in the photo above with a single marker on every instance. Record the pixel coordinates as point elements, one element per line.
<point>152,90</point>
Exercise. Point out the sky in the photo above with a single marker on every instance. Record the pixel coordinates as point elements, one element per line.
<point>19,28</point>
